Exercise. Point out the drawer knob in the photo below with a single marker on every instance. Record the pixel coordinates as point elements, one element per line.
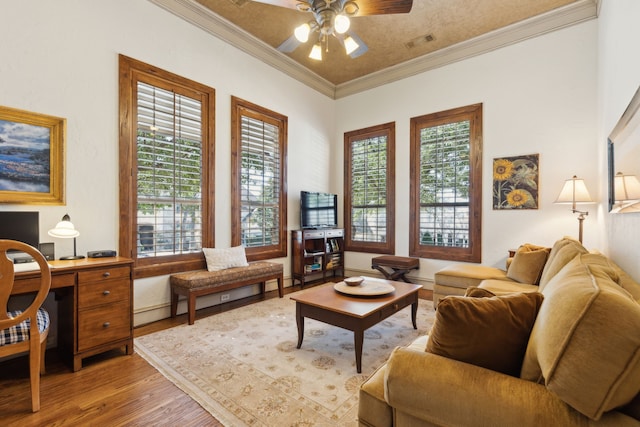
<point>105,293</point>
<point>395,307</point>
<point>106,324</point>
<point>106,274</point>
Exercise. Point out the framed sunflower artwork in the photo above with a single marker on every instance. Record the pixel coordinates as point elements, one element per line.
<point>515,182</point>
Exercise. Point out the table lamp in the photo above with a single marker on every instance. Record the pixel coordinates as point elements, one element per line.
<point>575,191</point>
<point>65,230</point>
<point>626,193</point>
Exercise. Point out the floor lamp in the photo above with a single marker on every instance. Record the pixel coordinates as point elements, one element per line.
<point>575,191</point>
<point>626,193</point>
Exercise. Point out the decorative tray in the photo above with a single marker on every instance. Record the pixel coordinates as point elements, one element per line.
<point>366,289</point>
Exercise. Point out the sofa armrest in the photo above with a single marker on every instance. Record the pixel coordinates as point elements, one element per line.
<point>444,391</point>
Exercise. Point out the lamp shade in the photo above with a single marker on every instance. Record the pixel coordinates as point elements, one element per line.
<point>316,52</point>
<point>626,187</point>
<point>350,45</point>
<point>64,229</point>
<point>574,191</point>
<point>302,32</point>
<point>341,24</point>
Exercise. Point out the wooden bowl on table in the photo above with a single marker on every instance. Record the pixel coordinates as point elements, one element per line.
<point>354,281</point>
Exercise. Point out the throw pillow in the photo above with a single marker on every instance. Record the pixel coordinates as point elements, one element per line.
<point>527,264</point>
<point>223,258</point>
<point>488,332</point>
<point>475,292</point>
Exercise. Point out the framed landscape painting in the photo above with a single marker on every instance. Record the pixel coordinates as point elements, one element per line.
<point>515,182</point>
<point>31,157</point>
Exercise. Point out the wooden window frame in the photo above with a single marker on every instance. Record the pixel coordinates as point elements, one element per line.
<point>130,72</point>
<point>388,246</point>
<point>240,107</point>
<point>473,253</point>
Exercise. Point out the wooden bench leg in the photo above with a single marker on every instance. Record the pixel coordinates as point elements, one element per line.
<point>280,287</point>
<point>263,287</point>
<point>174,303</point>
<point>191,310</point>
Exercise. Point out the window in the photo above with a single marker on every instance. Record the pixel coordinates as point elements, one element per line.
<point>166,169</point>
<point>258,186</point>
<point>369,181</point>
<point>446,185</point>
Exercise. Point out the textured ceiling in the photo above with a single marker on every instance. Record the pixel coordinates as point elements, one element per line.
<point>392,39</point>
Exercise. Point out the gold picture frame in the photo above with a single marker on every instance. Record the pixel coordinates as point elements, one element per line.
<point>32,152</point>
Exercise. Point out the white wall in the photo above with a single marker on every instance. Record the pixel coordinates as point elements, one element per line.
<point>61,58</point>
<point>538,96</point>
<point>619,78</point>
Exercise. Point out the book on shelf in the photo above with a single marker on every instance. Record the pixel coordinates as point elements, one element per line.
<point>309,268</point>
<point>311,252</point>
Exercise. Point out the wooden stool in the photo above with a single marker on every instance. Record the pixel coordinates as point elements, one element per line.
<point>395,267</point>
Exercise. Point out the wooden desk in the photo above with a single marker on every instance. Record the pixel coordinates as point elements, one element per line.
<point>95,304</point>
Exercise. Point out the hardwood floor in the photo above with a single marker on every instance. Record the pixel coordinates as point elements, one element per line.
<point>108,391</point>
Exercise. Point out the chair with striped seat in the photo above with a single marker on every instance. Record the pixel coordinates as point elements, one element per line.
<point>24,330</point>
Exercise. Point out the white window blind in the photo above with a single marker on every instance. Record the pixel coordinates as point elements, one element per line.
<point>369,189</point>
<point>169,172</point>
<point>260,182</point>
<point>444,185</point>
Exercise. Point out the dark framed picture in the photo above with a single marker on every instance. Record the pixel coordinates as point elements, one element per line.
<point>32,149</point>
<point>515,182</point>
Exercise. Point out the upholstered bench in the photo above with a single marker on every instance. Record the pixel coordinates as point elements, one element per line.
<point>193,284</point>
<point>395,267</point>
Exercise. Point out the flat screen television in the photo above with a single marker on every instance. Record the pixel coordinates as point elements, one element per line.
<point>318,210</point>
<point>21,226</point>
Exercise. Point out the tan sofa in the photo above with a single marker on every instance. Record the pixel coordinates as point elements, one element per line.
<point>581,366</point>
<point>455,279</point>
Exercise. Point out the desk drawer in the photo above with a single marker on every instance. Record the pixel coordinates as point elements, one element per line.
<point>32,284</point>
<point>102,274</point>
<point>103,324</point>
<point>105,292</point>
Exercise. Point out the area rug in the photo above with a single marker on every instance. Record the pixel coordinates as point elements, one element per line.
<point>243,367</point>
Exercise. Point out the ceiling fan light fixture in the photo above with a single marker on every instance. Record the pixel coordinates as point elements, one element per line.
<point>302,32</point>
<point>341,24</point>
<point>316,52</point>
<point>350,45</point>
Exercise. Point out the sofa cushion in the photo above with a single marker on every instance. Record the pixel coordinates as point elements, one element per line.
<point>503,287</point>
<point>585,345</point>
<point>563,251</point>
<point>622,277</point>
<point>527,264</point>
<point>475,292</point>
<point>487,332</point>
<point>223,258</point>
<point>465,275</point>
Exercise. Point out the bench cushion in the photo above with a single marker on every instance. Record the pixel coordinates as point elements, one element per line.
<point>203,279</point>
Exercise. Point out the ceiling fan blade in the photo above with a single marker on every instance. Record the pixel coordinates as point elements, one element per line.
<point>289,45</point>
<point>383,7</point>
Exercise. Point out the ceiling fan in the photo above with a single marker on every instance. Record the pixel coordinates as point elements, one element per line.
<point>331,18</point>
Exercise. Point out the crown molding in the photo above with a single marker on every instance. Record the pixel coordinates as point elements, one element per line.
<point>198,15</point>
<point>203,18</point>
<point>572,14</point>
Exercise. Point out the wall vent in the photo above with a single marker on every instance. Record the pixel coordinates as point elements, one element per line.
<point>419,41</point>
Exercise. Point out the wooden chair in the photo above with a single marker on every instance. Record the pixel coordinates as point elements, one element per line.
<point>18,332</point>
